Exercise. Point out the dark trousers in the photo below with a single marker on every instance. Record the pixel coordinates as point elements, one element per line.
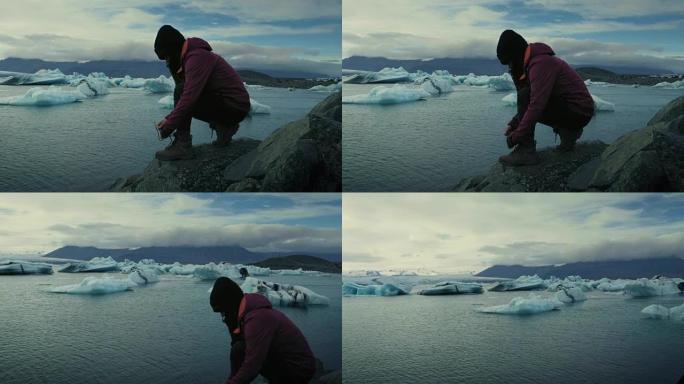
<point>210,108</point>
<point>557,114</point>
<point>237,355</point>
<point>272,374</point>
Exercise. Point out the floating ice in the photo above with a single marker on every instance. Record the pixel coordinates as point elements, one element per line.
<point>452,288</point>
<point>387,95</point>
<point>665,84</point>
<point>522,283</point>
<point>677,313</point>
<point>95,286</point>
<point>525,306</point>
<point>129,82</point>
<point>96,264</point>
<point>258,108</point>
<point>161,84</point>
<point>511,99</point>
<point>570,295</point>
<point>42,77</point>
<point>11,267</point>
<point>607,285</point>
<point>284,295</point>
<point>385,75</point>
<point>327,88</point>
<point>650,288</point>
<point>41,97</point>
<point>437,85</point>
<point>354,289</point>
<point>143,276</point>
<point>166,102</point>
<point>602,105</point>
<point>92,86</point>
<point>501,83</point>
<point>655,311</point>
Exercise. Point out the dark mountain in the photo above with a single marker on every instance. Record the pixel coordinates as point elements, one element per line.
<point>181,254</point>
<point>600,74</point>
<point>120,68</point>
<point>454,66</point>
<point>626,269</point>
<point>307,263</point>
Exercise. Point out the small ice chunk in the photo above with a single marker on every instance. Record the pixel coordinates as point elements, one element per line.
<point>387,95</point>
<point>327,88</point>
<point>143,276</point>
<point>91,86</point>
<point>655,311</point>
<point>129,82</point>
<point>41,97</point>
<point>354,289</point>
<point>166,102</point>
<point>96,264</point>
<point>437,85</point>
<point>162,84</point>
<point>452,288</point>
<point>525,306</point>
<point>258,108</point>
<point>677,313</point>
<point>11,267</point>
<point>501,83</point>
<point>284,295</point>
<point>522,283</point>
<point>511,99</point>
<point>601,105</point>
<point>95,286</point>
<point>670,85</point>
<point>653,287</point>
<point>570,295</point>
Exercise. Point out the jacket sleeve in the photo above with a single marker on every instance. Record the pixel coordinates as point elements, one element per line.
<point>197,72</point>
<point>259,333</point>
<point>542,77</point>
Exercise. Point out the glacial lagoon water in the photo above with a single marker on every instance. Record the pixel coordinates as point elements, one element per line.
<point>161,333</point>
<point>431,145</point>
<point>444,339</point>
<point>86,146</point>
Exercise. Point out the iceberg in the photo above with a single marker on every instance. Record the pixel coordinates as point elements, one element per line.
<point>602,105</point>
<point>665,84</point>
<point>501,83</point>
<point>284,295</point>
<point>387,95</point>
<point>96,264</point>
<point>11,267</point>
<point>452,288</point>
<point>91,86</point>
<point>385,75</point>
<point>41,97</point>
<point>522,283</point>
<point>354,289</point>
<point>166,102</point>
<point>570,295</point>
<point>258,108</point>
<point>655,311</point>
<point>162,84</point>
<point>143,276</point>
<point>95,286</point>
<point>511,99</point>
<point>525,306</point>
<point>677,313</point>
<point>327,88</point>
<point>129,82</point>
<point>42,77</point>
<point>650,288</point>
<point>607,285</point>
<point>437,85</point>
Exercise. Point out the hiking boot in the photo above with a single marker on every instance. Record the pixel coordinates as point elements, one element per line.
<point>179,149</point>
<point>568,137</point>
<point>224,133</point>
<point>524,153</point>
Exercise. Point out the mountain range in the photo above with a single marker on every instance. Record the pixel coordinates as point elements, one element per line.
<point>625,269</point>
<point>463,66</point>
<point>183,254</point>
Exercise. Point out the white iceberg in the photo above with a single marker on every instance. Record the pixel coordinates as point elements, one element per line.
<point>327,88</point>
<point>354,289</point>
<point>258,108</point>
<point>501,83</point>
<point>570,295</point>
<point>42,77</point>
<point>41,97</point>
<point>607,285</point>
<point>96,264</point>
<point>143,276</point>
<point>511,99</point>
<point>522,283</point>
<point>525,306</point>
<point>601,105</point>
<point>92,86</point>
<point>284,295</point>
<point>166,102</point>
<point>11,267</point>
<point>677,313</point>
<point>437,85</point>
<point>387,95</point>
<point>162,84</point>
<point>129,82</point>
<point>385,75</point>
<point>95,286</point>
<point>655,311</point>
<point>670,85</point>
<point>452,288</point>
<point>653,287</point>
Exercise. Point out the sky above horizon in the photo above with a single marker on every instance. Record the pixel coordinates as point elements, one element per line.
<point>460,233</point>
<point>632,33</point>
<point>39,223</point>
<point>297,35</point>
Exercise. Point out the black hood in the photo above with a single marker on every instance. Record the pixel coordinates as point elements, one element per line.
<point>511,47</point>
<point>169,42</point>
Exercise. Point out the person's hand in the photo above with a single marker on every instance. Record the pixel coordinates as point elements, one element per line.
<point>509,141</point>
<point>509,130</point>
<point>163,129</point>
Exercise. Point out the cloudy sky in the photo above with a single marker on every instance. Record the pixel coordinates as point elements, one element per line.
<point>467,232</point>
<point>621,33</point>
<point>32,223</point>
<point>302,35</point>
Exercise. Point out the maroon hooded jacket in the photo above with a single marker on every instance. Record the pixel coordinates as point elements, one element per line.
<point>206,72</point>
<point>550,76</point>
<point>274,345</point>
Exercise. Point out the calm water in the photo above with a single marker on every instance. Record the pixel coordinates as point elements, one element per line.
<point>431,145</point>
<point>164,333</point>
<point>86,146</point>
<point>442,339</point>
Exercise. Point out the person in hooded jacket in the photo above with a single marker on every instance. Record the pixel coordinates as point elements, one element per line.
<point>549,92</point>
<point>263,340</point>
<point>207,88</point>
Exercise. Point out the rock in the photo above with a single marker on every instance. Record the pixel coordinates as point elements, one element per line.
<point>650,159</point>
<point>305,155</point>
<point>201,174</point>
<point>551,174</point>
